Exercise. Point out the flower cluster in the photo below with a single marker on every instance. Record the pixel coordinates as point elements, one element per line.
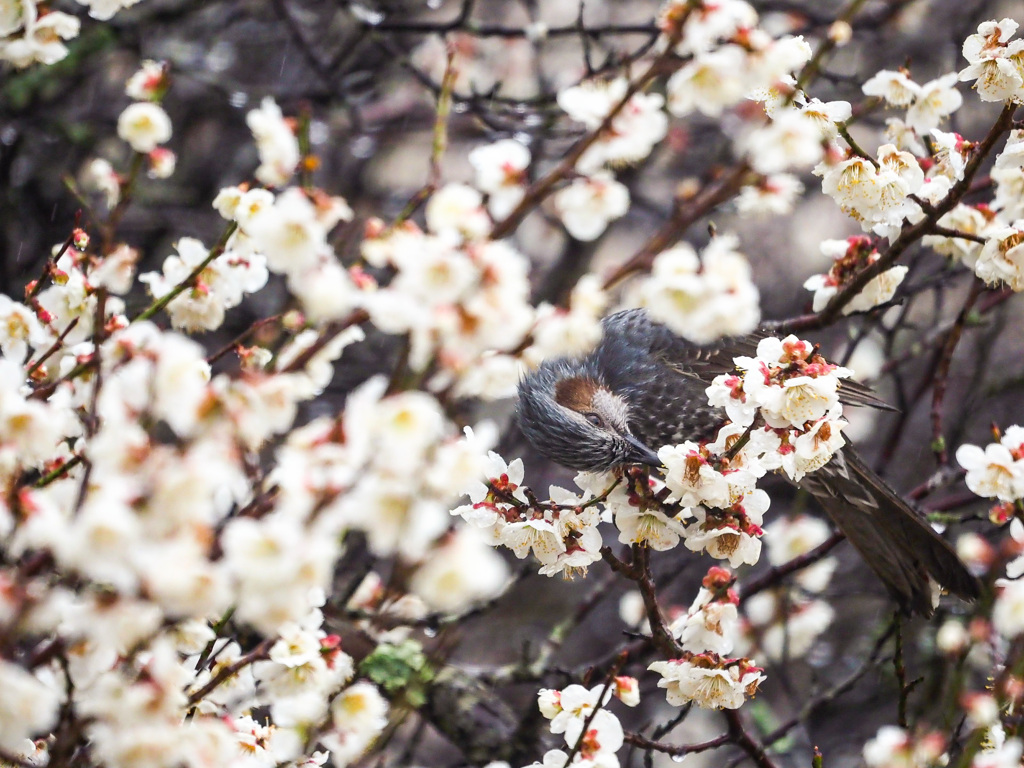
<point>788,397</point>
<point>728,56</point>
<point>708,680</point>
<point>30,34</point>
<point>144,125</point>
<point>996,471</point>
<point>849,257</point>
<point>562,533</point>
<point>592,733</point>
<point>459,297</point>
<point>999,259</point>
<point>877,193</point>
<point>703,298</point>
<point>712,622</point>
<point>995,61</point>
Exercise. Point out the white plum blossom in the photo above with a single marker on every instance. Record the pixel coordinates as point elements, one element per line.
<point>707,681</point>
<point>712,622</point>
<point>1001,259</point>
<point>588,204</point>
<point>776,194</point>
<point>710,23</point>
<point>997,471</point>
<point>278,147</point>
<point>39,36</point>
<point>19,330</point>
<point>783,629</point>
<point>994,61</point>
<point>501,173</point>
<point>790,537</point>
<point>461,571</point>
<point>219,286</point>
<point>27,706</point>
<point>144,126</point>
<point>792,140</point>
<point>849,257</point>
<point>895,87</point>
<point>705,298</point>
<point>936,100</point>
<point>710,83</point>
<point>651,526</point>
<point>632,133</point>
<point>732,534</point>
<point>456,211</point>
<point>105,9</point>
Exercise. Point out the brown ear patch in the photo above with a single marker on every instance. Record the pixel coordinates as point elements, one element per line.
<point>576,393</point>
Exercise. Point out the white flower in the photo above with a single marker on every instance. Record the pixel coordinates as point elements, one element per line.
<point>146,83</point>
<point>219,286</point>
<point>995,61</point>
<point>278,148</point>
<point>162,163</point>
<point>40,37</point>
<point>588,204</point>
<point>792,139</point>
<point>99,176</point>
<point>573,703</point>
<point>456,211</point>
<point>288,232</point>
<point>992,473</point>
<point>709,625</point>
<point>795,633</point>
<point>691,477</point>
<point>1001,259</point>
<point>891,746</point>
<point>707,684</point>
<point>634,130</point>
<point>936,100</point>
<point>144,126</point>
<point>602,739</point>
<point>501,173</point>
<point>460,572</point>
<point>827,116</point>
<point>731,535</point>
<point>27,706</point>
<point>19,329</point>
<point>117,270</point>
<point>963,218</point>
<point>703,299</point>
<point>709,83</point>
<point>814,448</point>
<point>651,526</point>
<point>896,88</point>
<point>538,535</point>
<point>790,537</point>
<point>105,9</point>
<point>775,195</point>
<point>708,24</point>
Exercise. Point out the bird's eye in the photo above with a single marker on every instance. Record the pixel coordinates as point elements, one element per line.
<point>594,419</point>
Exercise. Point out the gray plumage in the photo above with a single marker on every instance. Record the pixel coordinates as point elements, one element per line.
<point>643,387</point>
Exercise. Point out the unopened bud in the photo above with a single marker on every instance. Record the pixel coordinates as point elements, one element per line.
<point>840,33</point>
<point>80,238</point>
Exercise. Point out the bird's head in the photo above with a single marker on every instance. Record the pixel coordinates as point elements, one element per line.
<point>572,418</point>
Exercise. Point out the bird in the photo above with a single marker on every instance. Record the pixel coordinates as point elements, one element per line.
<point>643,387</point>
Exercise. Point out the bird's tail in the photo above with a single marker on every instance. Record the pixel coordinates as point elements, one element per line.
<point>897,544</point>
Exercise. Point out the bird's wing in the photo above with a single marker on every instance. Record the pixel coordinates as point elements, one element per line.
<point>894,540</point>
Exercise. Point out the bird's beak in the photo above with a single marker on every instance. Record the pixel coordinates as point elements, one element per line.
<point>641,454</point>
